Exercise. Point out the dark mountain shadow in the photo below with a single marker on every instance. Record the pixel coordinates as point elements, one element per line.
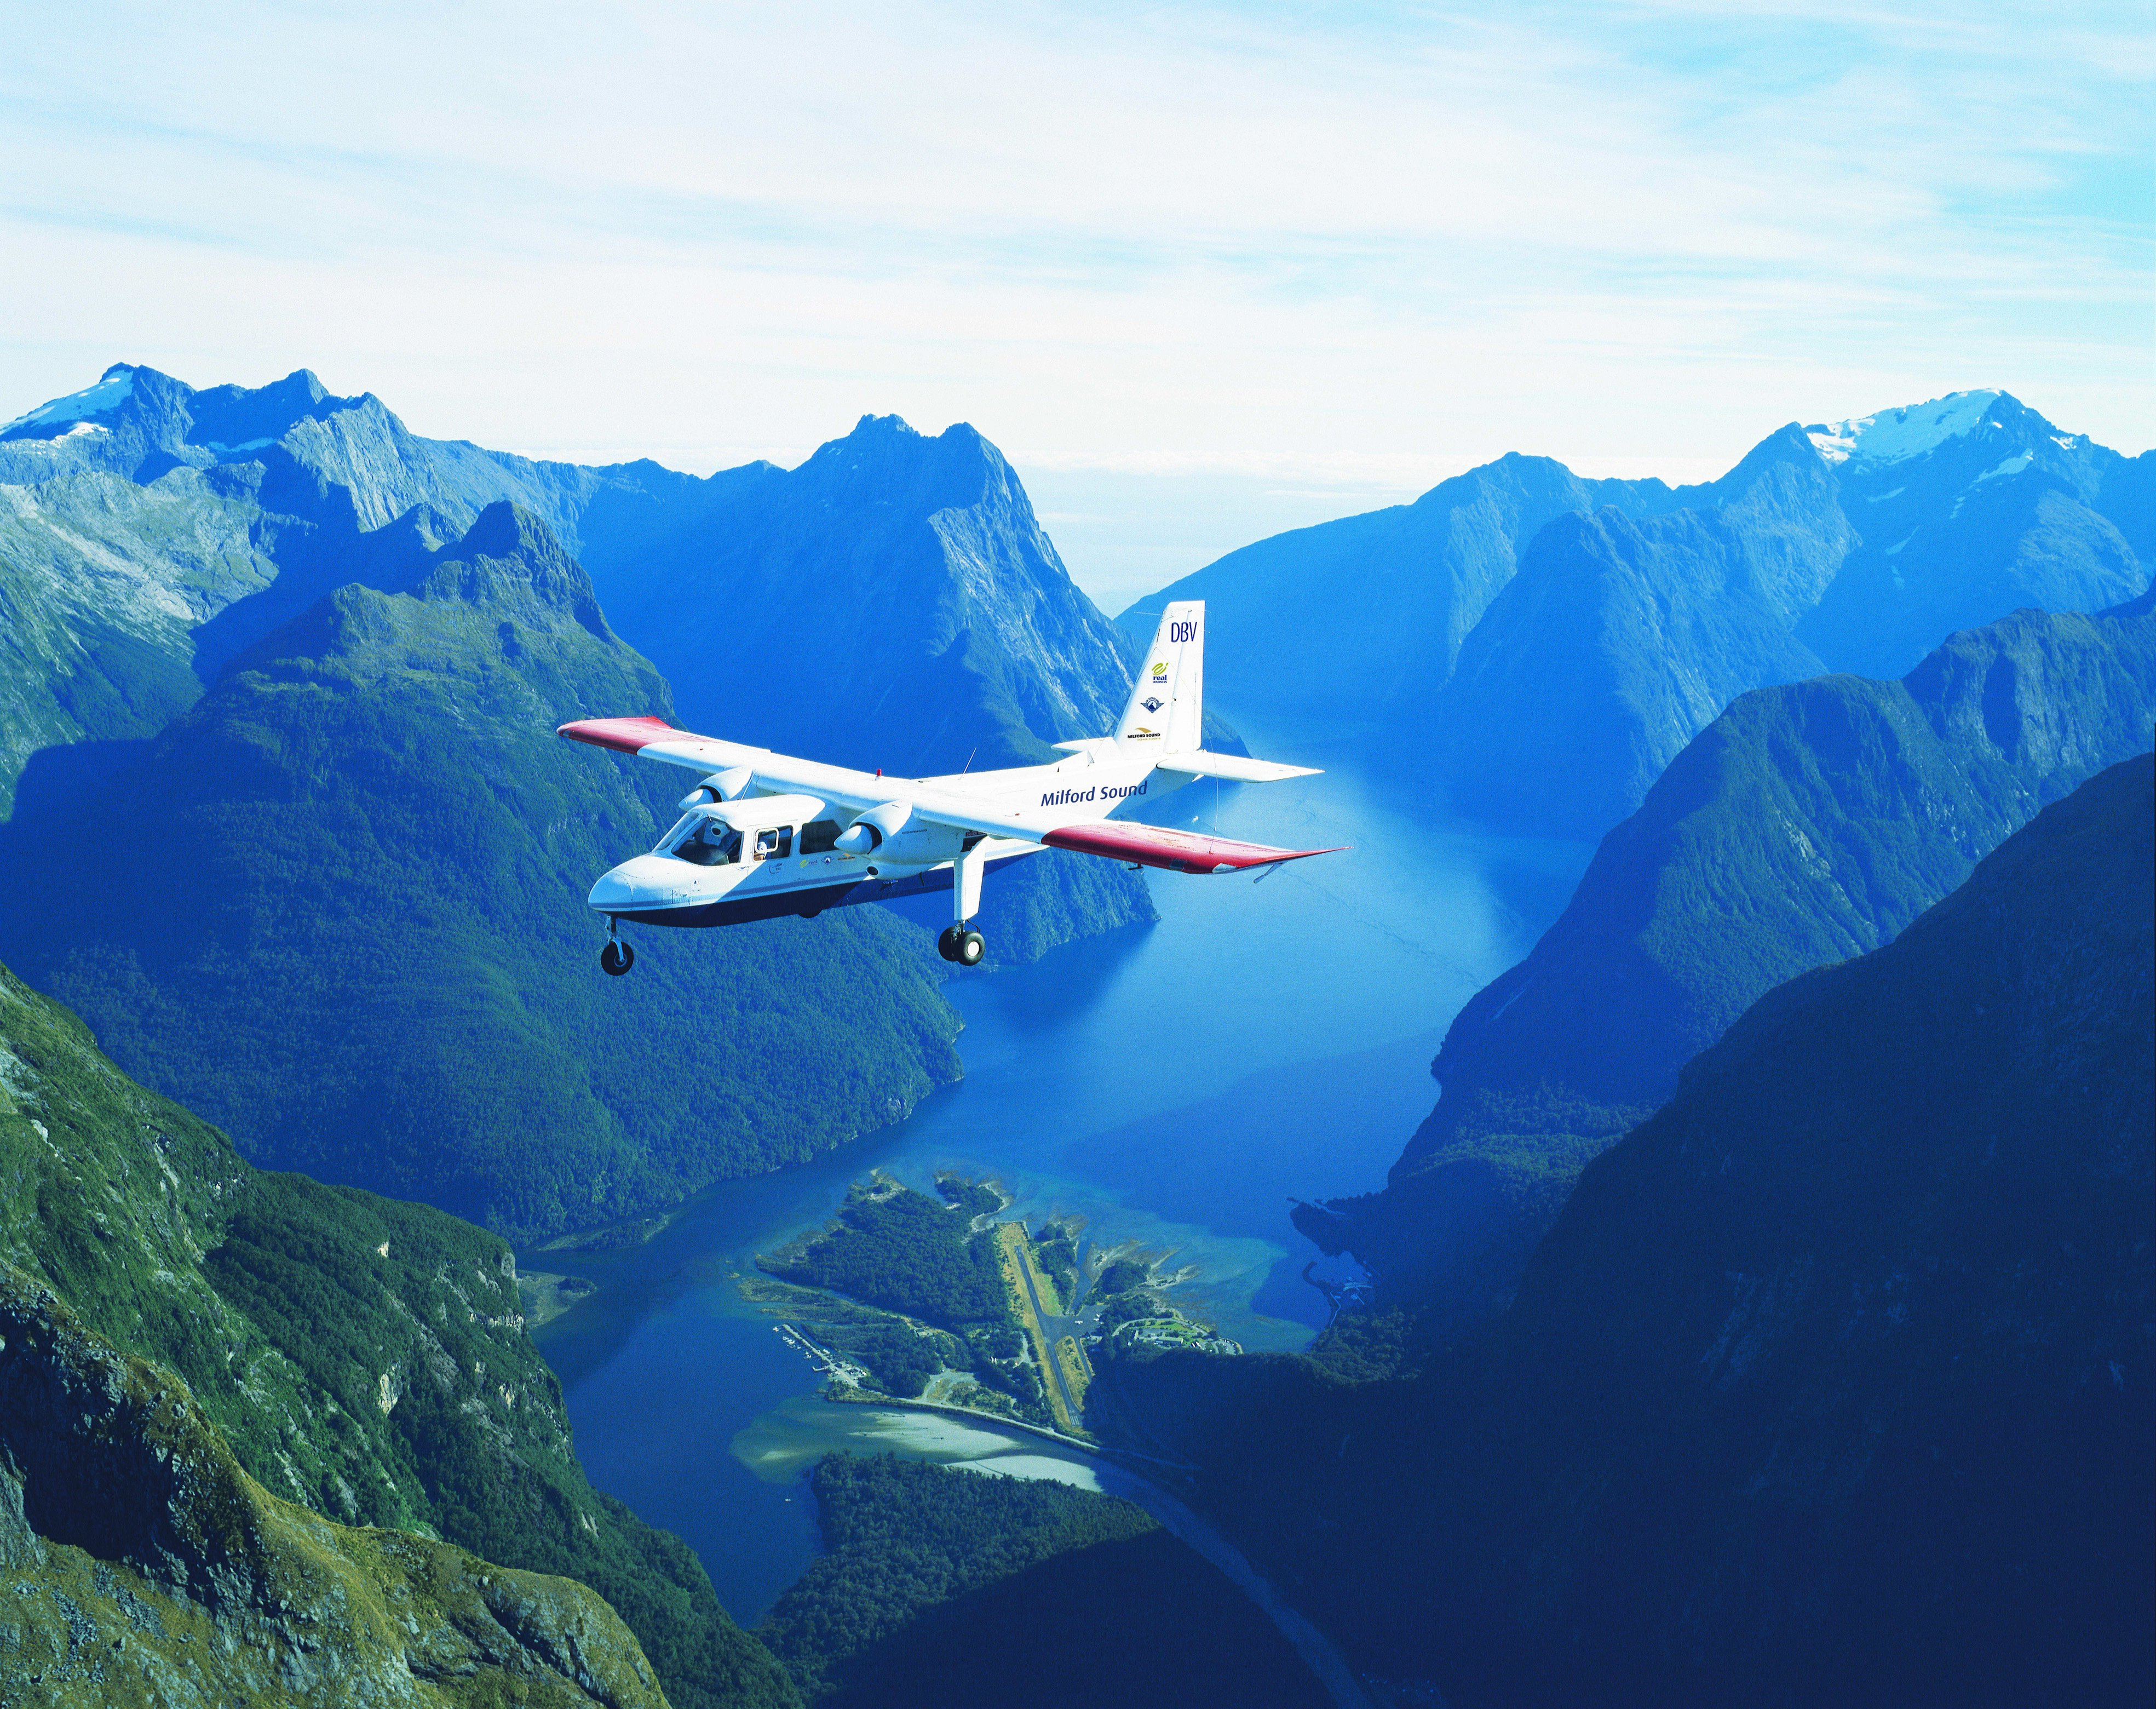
<point>57,783</point>
<point>1141,1620</point>
<point>314,559</point>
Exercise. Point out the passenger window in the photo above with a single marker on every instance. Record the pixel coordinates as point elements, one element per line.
<point>819,837</point>
<point>710,844</point>
<point>774,844</point>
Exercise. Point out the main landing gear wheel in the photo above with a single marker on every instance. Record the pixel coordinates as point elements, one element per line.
<point>617,958</point>
<point>962,944</point>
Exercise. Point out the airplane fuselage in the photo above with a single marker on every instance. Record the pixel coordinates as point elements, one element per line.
<point>763,856</point>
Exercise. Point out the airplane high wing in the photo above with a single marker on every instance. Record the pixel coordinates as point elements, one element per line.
<point>766,834</point>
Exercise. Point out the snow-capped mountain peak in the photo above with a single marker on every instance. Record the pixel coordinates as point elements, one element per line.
<point>108,395</point>
<point>1896,436</point>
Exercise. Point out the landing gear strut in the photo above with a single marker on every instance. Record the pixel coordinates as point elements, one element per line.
<point>961,943</point>
<point>617,957</point>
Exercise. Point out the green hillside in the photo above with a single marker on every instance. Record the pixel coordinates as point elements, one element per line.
<point>145,1568</point>
<point>363,1358</point>
<point>341,913</point>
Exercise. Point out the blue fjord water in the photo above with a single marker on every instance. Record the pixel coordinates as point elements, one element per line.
<point>1176,1084</point>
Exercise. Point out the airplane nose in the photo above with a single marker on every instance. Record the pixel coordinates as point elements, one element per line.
<point>613,892</point>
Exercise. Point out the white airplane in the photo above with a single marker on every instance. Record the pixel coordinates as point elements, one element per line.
<point>765,835</point>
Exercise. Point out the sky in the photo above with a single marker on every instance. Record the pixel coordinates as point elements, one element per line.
<point>1203,272</point>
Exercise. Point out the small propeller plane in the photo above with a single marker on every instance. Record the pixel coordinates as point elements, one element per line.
<point>764,834</point>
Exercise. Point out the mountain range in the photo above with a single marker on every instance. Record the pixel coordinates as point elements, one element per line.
<point>1537,648</point>
<point>342,914</point>
<point>1760,1315</point>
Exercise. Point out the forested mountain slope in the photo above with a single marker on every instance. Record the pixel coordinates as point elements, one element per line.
<point>1833,1383</point>
<point>354,1356</point>
<point>1807,824</point>
<point>145,1568</point>
<point>338,907</point>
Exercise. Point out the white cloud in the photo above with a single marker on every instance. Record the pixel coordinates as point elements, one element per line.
<point>1316,244</point>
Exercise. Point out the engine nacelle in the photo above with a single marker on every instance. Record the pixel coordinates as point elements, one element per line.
<point>874,828</point>
<point>727,785</point>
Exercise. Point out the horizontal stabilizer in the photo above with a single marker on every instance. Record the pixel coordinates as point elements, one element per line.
<point>1176,850</point>
<point>1233,768</point>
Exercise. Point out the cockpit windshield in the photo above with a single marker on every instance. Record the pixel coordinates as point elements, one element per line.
<point>703,842</point>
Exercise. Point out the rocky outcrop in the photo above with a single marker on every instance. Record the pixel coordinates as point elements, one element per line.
<point>146,1566</point>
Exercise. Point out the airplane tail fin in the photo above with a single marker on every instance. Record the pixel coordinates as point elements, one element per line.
<point>1167,709</point>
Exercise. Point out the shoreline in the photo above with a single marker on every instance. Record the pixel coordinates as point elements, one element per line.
<point>869,1397</point>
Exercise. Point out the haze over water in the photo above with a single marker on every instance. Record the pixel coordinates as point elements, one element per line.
<point>1176,1084</point>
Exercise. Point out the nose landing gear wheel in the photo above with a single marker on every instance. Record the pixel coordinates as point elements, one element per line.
<point>617,958</point>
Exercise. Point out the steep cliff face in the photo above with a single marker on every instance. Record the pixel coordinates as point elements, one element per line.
<point>1620,640</point>
<point>363,1358</point>
<point>1807,824</point>
<point>147,1567</point>
<point>1834,1382</point>
<point>1364,617</point>
<point>891,602</point>
<point>341,913</point>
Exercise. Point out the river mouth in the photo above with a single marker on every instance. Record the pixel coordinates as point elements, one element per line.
<point>1176,1085</point>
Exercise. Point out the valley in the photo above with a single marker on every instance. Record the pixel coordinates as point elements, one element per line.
<point>826,1315</point>
<point>1174,1086</point>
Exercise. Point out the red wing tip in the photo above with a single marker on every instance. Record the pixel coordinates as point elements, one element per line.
<point>1179,851</point>
<point>622,735</point>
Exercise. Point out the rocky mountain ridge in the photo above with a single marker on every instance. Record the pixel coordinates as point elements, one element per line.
<point>1534,649</point>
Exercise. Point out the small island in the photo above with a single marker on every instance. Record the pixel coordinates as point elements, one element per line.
<point>939,1301</point>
